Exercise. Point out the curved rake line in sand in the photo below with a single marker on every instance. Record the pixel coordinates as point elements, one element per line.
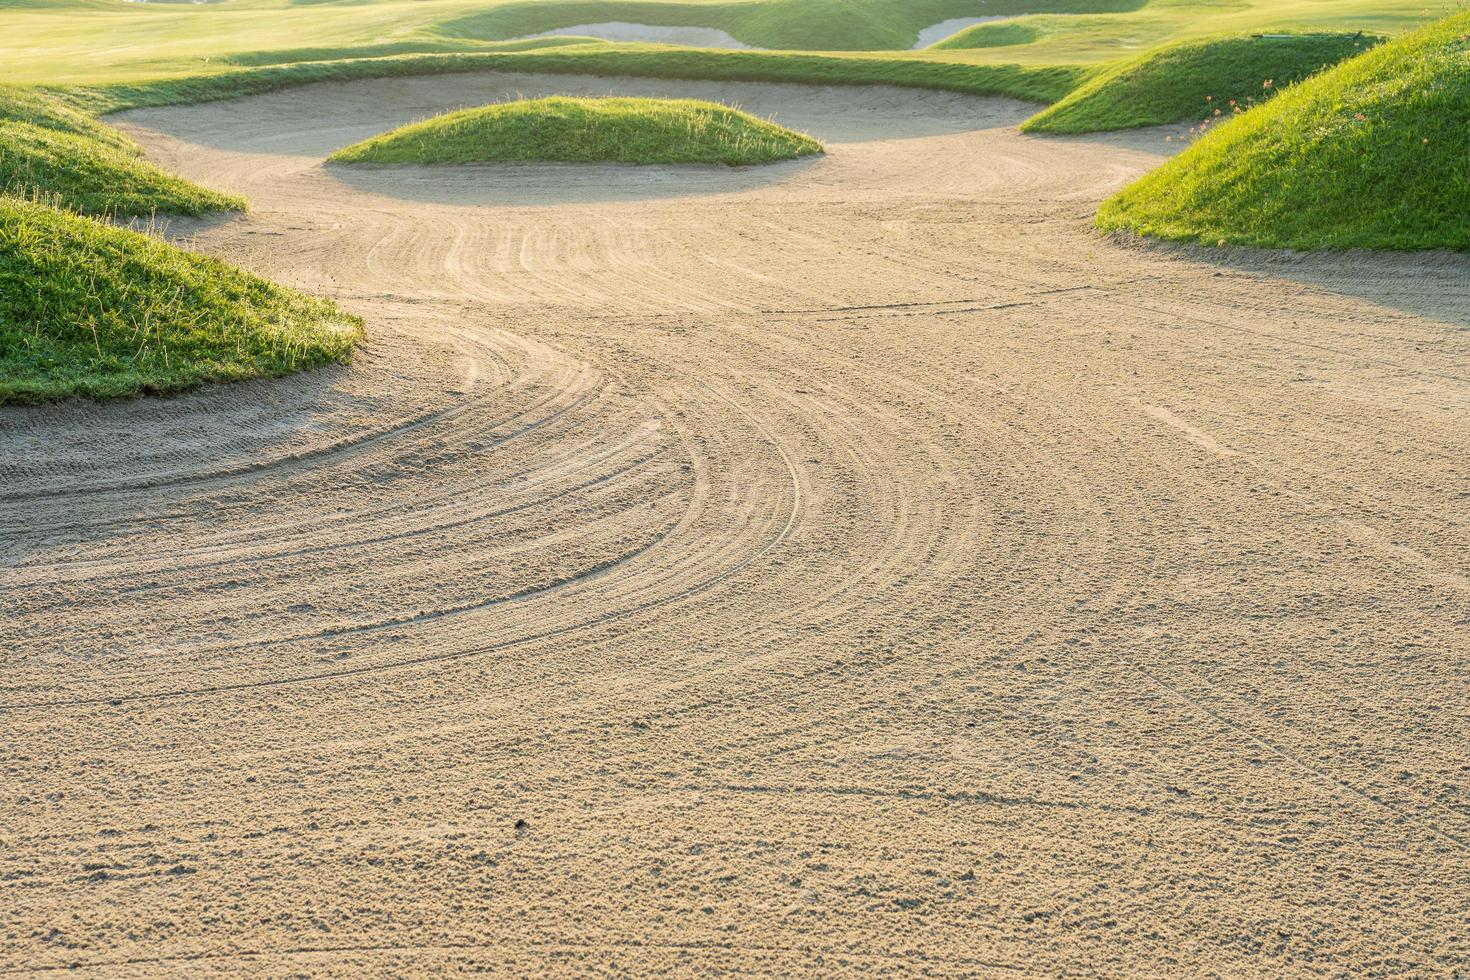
<point>704,586</point>
<point>1239,728</point>
<point>341,447</point>
<point>336,546</point>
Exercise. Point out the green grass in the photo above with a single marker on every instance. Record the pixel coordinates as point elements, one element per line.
<point>1194,81</point>
<point>90,310</point>
<point>1374,153</point>
<point>610,130</point>
<point>96,42</point>
<point>50,110</point>
<point>998,34</point>
<point>50,150</point>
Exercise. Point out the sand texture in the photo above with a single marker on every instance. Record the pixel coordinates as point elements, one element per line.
<point>854,565</point>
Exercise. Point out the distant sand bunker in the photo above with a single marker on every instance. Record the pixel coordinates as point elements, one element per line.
<point>709,37</point>
<point>945,29</point>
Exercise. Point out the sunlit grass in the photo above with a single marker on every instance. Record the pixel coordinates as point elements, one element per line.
<point>87,309</point>
<point>582,130</point>
<point>106,41</point>
<point>1195,80</point>
<point>52,151</point>
<point>1374,153</point>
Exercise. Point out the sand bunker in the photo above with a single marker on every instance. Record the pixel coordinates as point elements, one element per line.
<point>946,29</point>
<point>709,37</point>
<point>870,571</point>
<point>620,30</point>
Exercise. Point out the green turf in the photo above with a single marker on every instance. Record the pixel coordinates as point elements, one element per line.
<point>1374,153</point>
<point>997,34</point>
<point>87,309</point>
<point>50,110</point>
<point>50,150</point>
<point>609,130</point>
<point>94,42</point>
<point>1196,80</point>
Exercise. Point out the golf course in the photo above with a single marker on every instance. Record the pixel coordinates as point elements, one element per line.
<point>752,487</point>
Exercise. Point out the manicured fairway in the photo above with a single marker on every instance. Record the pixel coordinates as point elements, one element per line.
<point>80,41</point>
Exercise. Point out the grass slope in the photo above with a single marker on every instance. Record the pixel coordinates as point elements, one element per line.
<point>1192,80</point>
<point>809,25</point>
<point>1374,153</point>
<point>91,310</point>
<point>52,151</point>
<point>611,130</point>
<point>997,34</point>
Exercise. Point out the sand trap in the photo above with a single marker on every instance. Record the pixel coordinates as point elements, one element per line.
<point>871,571</point>
<point>935,33</point>
<point>620,30</point>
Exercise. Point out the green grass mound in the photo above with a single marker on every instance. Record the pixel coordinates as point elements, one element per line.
<point>46,110</point>
<point>611,130</point>
<point>1374,153</point>
<point>1196,80</point>
<point>54,152</point>
<point>998,34</point>
<point>90,310</point>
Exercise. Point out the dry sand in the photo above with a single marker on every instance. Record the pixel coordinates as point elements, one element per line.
<point>853,566</point>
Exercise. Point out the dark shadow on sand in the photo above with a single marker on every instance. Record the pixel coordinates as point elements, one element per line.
<point>541,184</point>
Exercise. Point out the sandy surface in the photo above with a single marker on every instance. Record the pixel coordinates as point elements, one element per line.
<point>857,566</point>
<point>619,30</point>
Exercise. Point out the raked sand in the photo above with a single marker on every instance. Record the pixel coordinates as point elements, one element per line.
<point>850,566</point>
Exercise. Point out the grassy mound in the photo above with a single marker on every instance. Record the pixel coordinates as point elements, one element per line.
<point>1374,153</point>
<point>1192,80</point>
<point>46,110</point>
<point>612,130</point>
<point>998,34</point>
<point>91,310</point>
<point>52,151</point>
